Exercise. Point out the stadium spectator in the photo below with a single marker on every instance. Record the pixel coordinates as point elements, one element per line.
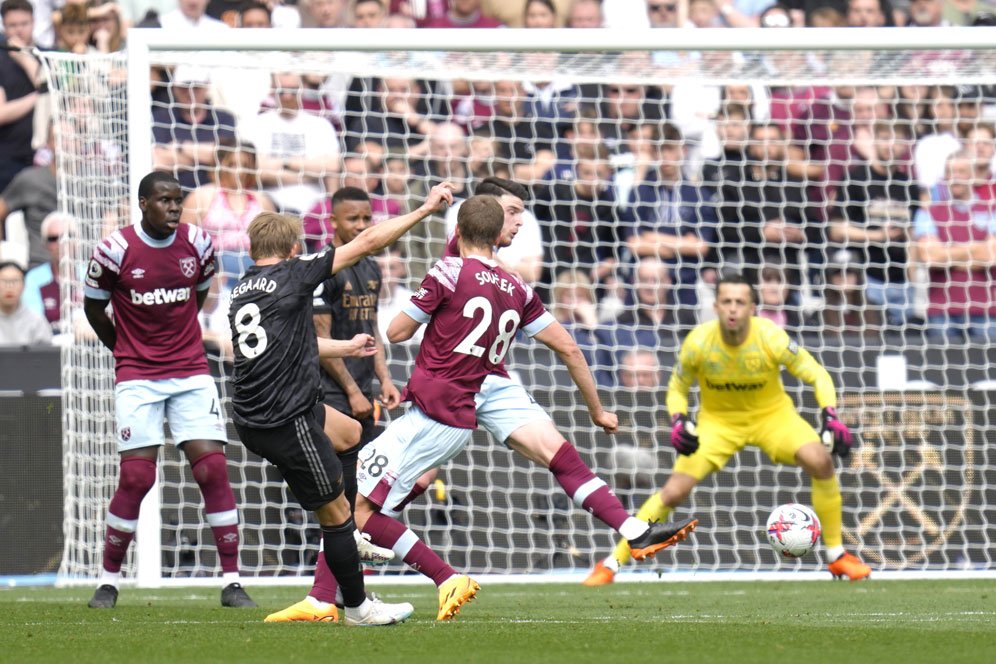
<point>624,106</point>
<point>19,71</point>
<point>524,139</point>
<point>941,140</point>
<point>580,221</point>
<point>773,296</point>
<point>245,90</point>
<point>672,220</point>
<point>873,219</point>
<point>225,207</point>
<point>190,15</point>
<point>107,27</point>
<point>867,13</point>
<point>762,213</point>
<point>393,111</point>
<point>586,14</point>
<point>160,370</point>
<point>539,14</point>
<point>827,17</point>
<point>640,370</point>
<point>732,131</point>
<point>187,130</point>
<point>703,14</point>
<point>324,13</point>
<point>34,192</point>
<point>367,14</point>
<point>41,284</point>
<point>979,141</point>
<point>72,29</point>
<point>956,241</point>
<point>845,310</point>
<point>743,13</point>
<point>394,291</point>
<point>462,14</point>
<point>927,14</point>
<point>648,321</point>
<point>725,356</point>
<point>255,15</point>
<point>296,150</point>
<point>19,325</point>
<point>226,11</point>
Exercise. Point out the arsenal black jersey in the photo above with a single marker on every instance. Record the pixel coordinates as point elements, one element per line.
<point>350,296</point>
<point>276,376</point>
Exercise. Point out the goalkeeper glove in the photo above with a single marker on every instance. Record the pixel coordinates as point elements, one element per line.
<point>835,435</point>
<point>683,436</point>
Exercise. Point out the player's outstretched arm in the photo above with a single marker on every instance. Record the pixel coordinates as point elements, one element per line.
<point>96,313</point>
<point>362,345</point>
<point>560,341</point>
<point>402,328</point>
<point>387,232</point>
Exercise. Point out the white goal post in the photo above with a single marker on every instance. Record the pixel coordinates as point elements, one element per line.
<point>917,494</point>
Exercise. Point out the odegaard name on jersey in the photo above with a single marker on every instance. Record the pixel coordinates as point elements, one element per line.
<point>260,284</point>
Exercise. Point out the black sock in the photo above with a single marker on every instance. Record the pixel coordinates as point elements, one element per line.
<point>348,459</point>
<point>344,561</point>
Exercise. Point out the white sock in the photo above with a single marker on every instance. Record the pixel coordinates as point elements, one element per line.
<point>611,563</point>
<point>633,528</point>
<point>834,552</point>
<point>359,612</point>
<point>109,579</point>
<point>229,578</point>
<point>318,604</point>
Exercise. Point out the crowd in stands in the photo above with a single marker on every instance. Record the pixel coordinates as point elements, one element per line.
<point>857,210</point>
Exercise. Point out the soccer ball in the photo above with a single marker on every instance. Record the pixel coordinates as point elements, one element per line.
<point>793,530</point>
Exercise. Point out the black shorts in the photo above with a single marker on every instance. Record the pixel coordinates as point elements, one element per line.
<point>303,454</point>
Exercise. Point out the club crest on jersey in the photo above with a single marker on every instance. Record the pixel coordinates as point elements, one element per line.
<point>126,434</point>
<point>188,266</point>
<point>372,284</point>
<point>752,362</point>
<point>95,270</point>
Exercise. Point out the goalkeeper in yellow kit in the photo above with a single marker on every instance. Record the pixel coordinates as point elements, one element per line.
<point>737,361</point>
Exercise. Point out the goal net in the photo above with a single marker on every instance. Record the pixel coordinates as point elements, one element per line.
<point>840,181</point>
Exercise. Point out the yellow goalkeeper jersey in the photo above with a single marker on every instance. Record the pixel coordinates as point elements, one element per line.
<point>738,383</point>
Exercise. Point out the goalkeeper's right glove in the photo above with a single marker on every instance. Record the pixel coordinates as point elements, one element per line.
<point>683,436</point>
<point>834,434</point>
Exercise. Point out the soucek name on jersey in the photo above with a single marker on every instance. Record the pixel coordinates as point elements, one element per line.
<point>350,297</point>
<point>152,286</point>
<point>276,372</point>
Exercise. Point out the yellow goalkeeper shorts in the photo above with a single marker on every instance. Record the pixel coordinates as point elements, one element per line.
<point>779,435</point>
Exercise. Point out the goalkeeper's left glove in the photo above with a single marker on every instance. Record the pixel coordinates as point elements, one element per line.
<point>835,435</point>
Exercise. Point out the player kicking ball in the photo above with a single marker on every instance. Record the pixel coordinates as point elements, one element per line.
<point>276,387</point>
<point>473,309</point>
<point>737,361</point>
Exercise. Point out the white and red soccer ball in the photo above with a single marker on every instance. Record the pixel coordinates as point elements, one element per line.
<point>793,530</point>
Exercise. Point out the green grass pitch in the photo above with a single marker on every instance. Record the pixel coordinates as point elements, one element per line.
<point>740,623</point>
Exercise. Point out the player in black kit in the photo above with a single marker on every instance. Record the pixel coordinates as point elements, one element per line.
<point>276,384</point>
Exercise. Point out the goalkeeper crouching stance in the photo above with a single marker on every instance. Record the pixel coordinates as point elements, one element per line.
<point>737,362</point>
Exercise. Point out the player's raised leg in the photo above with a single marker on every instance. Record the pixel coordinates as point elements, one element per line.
<point>656,508</point>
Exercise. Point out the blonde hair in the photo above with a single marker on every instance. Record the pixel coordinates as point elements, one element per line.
<point>273,235</point>
<point>566,280</point>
